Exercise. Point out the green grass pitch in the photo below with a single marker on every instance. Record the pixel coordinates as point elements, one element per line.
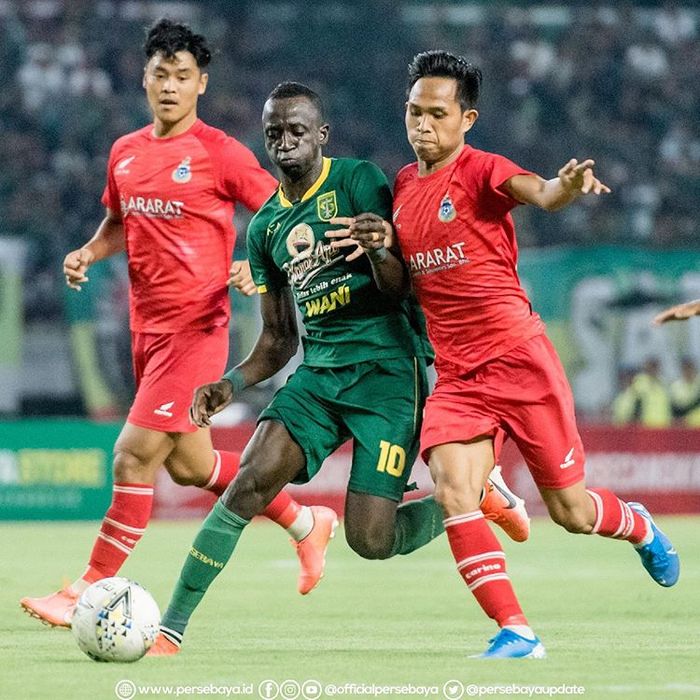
<point>606,625</point>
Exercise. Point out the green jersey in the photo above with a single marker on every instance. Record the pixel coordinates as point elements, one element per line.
<point>347,319</point>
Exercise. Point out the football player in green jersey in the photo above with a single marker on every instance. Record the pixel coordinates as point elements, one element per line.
<point>363,375</point>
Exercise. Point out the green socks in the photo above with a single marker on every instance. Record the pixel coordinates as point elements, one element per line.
<point>417,523</point>
<point>210,552</point>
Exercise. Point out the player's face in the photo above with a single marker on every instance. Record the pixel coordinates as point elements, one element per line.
<point>294,134</point>
<point>435,121</point>
<point>173,86</point>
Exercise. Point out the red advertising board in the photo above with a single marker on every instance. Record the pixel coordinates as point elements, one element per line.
<point>661,468</point>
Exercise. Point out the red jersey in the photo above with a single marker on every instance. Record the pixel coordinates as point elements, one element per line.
<point>177,198</point>
<point>458,239</point>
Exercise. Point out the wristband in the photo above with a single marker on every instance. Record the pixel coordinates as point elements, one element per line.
<point>235,376</point>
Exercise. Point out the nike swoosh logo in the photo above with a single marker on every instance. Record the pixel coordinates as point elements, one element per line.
<point>506,495</point>
<point>671,551</point>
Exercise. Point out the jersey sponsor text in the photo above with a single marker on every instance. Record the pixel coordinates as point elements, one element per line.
<point>328,302</point>
<point>153,207</point>
<point>437,259</point>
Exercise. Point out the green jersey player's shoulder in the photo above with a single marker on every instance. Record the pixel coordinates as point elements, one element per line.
<point>355,167</point>
<point>261,219</point>
<point>366,187</point>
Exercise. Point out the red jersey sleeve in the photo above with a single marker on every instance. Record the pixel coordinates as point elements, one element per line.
<point>241,176</point>
<point>493,171</point>
<point>110,196</point>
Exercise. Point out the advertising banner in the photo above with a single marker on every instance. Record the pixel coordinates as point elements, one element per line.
<point>660,468</point>
<point>598,304</point>
<point>55,470</point>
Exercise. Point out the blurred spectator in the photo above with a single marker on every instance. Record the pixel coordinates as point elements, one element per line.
<point>685,393</point>
<point>616,82</point>
<point>644,399</point>
<point>625,406</point>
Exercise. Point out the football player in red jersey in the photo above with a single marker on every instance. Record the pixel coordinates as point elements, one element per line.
<point>498,374</point>
<point>171,191</point>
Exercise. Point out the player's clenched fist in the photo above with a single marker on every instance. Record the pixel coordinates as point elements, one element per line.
<point>240,278</point>
<point>208,400</point>
<point>579,178</point>
<point>75,265</point>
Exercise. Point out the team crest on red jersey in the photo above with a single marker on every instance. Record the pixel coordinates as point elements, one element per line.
<point>183,172</point>
<point>447,211</point>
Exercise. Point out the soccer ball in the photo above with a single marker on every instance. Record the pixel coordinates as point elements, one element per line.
<point>115,620</point>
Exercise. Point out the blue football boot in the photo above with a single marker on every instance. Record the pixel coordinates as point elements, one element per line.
<point>509,645</point>
<point>659,557</point>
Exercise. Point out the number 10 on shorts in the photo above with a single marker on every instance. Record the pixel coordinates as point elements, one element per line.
<point>392,458</point>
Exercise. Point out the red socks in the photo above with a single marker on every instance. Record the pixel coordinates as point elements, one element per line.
<point>482,564</point>
<point>614,518</point>
<point>226,465</point>
<point>282,510</point>
<point>121,529</point>
<point>128,516</point>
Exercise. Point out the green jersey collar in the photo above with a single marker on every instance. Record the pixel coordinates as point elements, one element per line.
<point>325,169</point>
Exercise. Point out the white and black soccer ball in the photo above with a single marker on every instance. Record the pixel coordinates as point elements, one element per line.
<point>115,620</point>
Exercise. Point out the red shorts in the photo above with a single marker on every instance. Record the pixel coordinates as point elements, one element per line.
<point>168,367</point>
<point>523,395</point>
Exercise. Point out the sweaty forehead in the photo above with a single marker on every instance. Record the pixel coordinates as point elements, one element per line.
<point>290,110</point>
<point>182,60</point>
<point>434,90</point>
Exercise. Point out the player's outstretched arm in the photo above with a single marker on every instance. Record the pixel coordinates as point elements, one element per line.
<point>573,181</point>
<point>108,240</point>
<point>680,312</point>
<point>241,279</point>
<point>369,234</point>
<point>276,345</point>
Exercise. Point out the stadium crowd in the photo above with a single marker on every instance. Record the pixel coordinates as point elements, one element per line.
<point>605,80</point>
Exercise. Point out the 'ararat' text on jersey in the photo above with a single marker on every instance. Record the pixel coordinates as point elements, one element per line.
<point>436,259</point>
<point>152,207</point>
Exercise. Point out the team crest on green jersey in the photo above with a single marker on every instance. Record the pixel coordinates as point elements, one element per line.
<point>326,206</point>
<point>447,211</point>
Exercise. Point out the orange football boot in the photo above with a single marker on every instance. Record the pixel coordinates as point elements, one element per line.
<point>504,508</point>
<point>55,610</point>
<point>163,647</point>
<point>312,549</point>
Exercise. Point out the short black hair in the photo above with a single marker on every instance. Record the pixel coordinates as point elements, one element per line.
<point>443,64</point>
<point>291,89</point>
<point>168,37</point>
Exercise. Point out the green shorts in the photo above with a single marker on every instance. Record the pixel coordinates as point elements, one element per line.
<point>379,404</point>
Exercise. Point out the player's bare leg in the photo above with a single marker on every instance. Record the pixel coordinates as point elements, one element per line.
<point>194,461</point>
<point>270,461</point>
<point>138,454</point>
<point>600,512</point>
<point>460,471</point>
<point>191,460</point>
